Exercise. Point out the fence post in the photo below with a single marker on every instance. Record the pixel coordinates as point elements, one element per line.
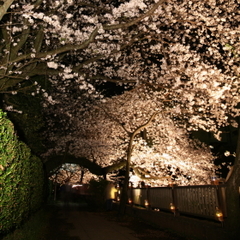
<point>147,201</point>
<point>221,196</point>
<point>174,198</point>
<point>130,196</point>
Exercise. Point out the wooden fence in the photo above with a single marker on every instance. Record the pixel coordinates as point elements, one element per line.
<point>205,201</point>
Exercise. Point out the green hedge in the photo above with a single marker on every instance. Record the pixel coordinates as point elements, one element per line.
<point>21,178</point>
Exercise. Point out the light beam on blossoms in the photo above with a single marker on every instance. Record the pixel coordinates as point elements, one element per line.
<point>162,150</point>
<point>183,54</point>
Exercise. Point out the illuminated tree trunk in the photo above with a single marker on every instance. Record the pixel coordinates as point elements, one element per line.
<point>233,197</point>
<point>124,194</point>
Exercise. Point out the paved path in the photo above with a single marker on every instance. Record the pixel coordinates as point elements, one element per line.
<point>72,221</point>
<point>75,224</point>
<point>89,226</point>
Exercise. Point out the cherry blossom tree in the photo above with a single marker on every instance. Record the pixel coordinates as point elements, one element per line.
<point>173,47</point>
<point>137,133</point>
<point>137,136</point>
<point>48,39</point>
<point>183,53</point>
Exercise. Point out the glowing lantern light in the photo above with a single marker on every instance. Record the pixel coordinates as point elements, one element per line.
<point>172,207</point>
<point>219,214</point>
<point>146,203</point>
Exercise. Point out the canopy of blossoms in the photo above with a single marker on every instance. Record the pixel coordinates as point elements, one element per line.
<point>160,153</point>
<point>182,56</point>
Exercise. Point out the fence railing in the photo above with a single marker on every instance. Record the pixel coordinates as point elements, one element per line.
<point>205,201</point>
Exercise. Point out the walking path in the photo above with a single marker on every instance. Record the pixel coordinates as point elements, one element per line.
<point>75,221</point>
<point>73,224</point>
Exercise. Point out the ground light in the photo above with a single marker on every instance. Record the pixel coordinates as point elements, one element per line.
<point>146,203</point>
<point>173,208</point>
<point>118,198</point>
<point>219,215</point>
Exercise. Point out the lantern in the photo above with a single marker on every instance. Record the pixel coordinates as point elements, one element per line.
<point>172,207</point>
<point>219,214</point>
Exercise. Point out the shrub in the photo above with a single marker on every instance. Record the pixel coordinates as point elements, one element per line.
<point>21,178</point>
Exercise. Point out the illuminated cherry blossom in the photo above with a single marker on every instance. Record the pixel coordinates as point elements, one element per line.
<point>161,152</point>
<point>182,56</point>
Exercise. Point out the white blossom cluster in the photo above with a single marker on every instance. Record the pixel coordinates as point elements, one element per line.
<point>182,55</point>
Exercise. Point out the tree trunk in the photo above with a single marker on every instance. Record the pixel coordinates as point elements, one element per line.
<point>232,223</point>
<point>81,176</point>
<point>124,193</point>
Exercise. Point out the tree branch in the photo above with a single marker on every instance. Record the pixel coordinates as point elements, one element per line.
<point>4,8</point>
<point>61,49</point>
<point>57,160</point>
<point>143,126</point>
<point>23,39</point>
<point>53,162</point>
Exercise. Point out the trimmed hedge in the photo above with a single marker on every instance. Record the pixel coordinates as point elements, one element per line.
<point>21,178</point>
